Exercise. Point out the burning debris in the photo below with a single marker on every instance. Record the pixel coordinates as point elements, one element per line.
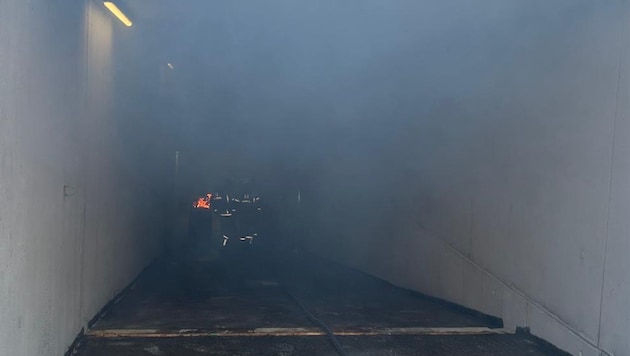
<point>203,202</point>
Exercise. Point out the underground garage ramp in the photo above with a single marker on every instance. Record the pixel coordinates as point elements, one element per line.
<point>236,290</point>
<point>433,177</point>
<point>265,303</point>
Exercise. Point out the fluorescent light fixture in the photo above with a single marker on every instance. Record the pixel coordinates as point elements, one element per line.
<point>119,14</point>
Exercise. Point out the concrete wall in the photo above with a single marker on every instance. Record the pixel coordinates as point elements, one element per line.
<point>76,214</point>
<point>488,165</point>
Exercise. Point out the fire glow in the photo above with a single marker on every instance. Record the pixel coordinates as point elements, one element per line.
<point>203,202</point>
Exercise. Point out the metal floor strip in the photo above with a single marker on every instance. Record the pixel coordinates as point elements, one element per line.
<point>156,333</point>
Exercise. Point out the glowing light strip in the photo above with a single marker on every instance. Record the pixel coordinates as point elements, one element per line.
<point>119,14</point>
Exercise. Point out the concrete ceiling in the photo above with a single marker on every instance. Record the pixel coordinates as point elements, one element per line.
<point>162,10</point>
<point>145,9</point>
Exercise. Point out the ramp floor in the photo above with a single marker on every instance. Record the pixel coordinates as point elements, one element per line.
<point>250,302</point>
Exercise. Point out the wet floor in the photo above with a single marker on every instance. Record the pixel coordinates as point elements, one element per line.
<point>250,302</point>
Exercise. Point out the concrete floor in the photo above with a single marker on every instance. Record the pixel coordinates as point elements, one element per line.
<point>244,303</point>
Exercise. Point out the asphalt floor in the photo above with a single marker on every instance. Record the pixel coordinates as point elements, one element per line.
<point>250,301</point>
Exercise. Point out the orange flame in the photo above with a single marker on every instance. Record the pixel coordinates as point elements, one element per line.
<point>203,202</point>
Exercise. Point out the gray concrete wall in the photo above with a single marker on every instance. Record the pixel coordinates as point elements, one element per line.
<point>76,215</point>
<point>497,173</point>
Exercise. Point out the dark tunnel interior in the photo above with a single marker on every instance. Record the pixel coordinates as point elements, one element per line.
<point>292,177</point>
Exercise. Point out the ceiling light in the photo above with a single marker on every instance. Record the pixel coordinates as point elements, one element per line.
<point>119,14</point>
